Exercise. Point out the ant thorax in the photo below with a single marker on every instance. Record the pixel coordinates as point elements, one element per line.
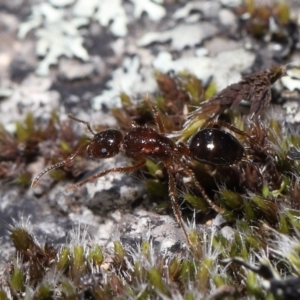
<point>142,141</point>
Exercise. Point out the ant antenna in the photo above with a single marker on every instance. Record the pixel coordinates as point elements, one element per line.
<point>87,124</point>
<point>156,115</point>
<point>60,164</point>
<point>70,158</point>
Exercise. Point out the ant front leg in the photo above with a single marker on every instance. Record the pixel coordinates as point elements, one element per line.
<point>113,170</point>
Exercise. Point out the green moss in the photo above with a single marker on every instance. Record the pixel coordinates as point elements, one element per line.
<point>253,286</point>
<point>95,256</point>
<point>283,12</point>
<point>44,292</point>
<point>3,295</point>
<point>24,179</point>
<point>63,259</point>
<point>197,203</point>
<point>119,251</point>
<point>260,195</point>
<point>142,277</point>
<point>31,141</point>
<point>156,188</point>
<point>231,200</point>
<point>22,240</point>
<point>17,280</point>
<point>157,282</point>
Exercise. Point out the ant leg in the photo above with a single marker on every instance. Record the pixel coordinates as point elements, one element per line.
<point>231,127</point>
<point>191,174</point>
<point>60,164</point>
<point>175,206</point>
<point>252,141</point>
<point>157,118</point>
<point>87,124</point>
<point>113,170</point>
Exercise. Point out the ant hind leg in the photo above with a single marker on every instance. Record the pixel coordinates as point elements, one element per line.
<point>175,206</point>
<point>191,174</point>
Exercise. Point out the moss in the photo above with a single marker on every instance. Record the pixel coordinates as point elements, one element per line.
<point>259,197</point>
<point>146,274</point>
<point>31,141</point>
<point>257,23</point>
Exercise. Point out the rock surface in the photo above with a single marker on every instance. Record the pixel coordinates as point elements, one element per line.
<point>84,67</point>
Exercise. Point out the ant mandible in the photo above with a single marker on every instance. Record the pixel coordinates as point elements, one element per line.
<point>141,143</point>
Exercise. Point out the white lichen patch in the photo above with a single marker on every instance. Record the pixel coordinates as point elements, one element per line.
<point>56,36</point>
<point>85,216</point>
<point>292,81</point>
<point>61,3</point>
<point>153,9</point>
<point>57,25</point>
<point>207,8</point>
<point>181,36</point>
<point>72,70</point>
<point>231,3</point>
<point>102,184</point>
<point>222,67</point>
<point>126,79</point>
<point>33,95</point>
<point>128,193</point>
<point>108,13</point>
<point>130,80</point>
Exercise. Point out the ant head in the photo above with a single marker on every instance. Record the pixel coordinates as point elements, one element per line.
<point>105,144</point>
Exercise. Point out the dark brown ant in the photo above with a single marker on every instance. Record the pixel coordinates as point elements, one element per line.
<point>211,145</point>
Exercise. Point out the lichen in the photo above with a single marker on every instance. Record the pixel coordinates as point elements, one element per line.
<point>249,250</point>
<point>58,27</point>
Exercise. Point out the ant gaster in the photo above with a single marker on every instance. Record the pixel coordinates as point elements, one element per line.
<point>216,147</point>
<point>141,143</point>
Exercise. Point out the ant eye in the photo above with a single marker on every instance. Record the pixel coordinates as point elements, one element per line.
<point>105,144</point>
<point>216,147</point>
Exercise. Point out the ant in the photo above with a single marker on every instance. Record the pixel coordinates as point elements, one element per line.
<point>141,143</point>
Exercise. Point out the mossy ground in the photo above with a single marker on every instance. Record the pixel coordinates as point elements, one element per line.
<point>256,258</point>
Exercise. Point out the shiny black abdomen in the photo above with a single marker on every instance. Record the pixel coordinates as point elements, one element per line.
<point>216,147</point>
